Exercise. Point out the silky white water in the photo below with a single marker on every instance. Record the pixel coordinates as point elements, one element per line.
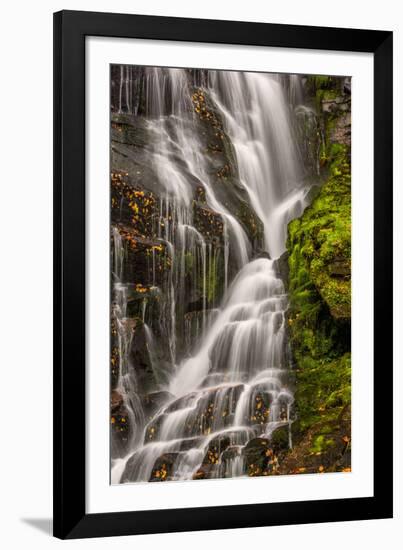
<point>234,383</point>
<point>257,120</point>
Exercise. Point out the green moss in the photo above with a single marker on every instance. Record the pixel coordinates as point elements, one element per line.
<point>321,443</point>
<point>323,389</point>
<point>319,244</point>
<point>319,257</point>
<point>320,302</point>
<point>323,88</point>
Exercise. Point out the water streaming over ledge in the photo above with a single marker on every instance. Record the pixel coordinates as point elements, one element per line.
<point>232,384</point>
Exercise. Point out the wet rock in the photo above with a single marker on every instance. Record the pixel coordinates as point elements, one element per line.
<point>120,430</point>
<point>281,266</point>
<point>222,166</point>
<point>153,401</point>
<point>213,379</point>
<point>127,99</point>
<point>232,462</point>
<point>189,443</point>
<point>216,446</point>
<point>258,411</point>
<point>209,223</point>
<point>135,163</point>
<point>206,471</point>
<point>163,468</point>
<point>129,130</point>
<point>116,400</point>
<point>147,377</point>
<point>262,254</point>
<point>230,453</point>
<point>195,319</point>
<point>130,469</point>
<point>146,261</point>
<point>259,457</point>
<point>181,402</point>
<point>153,429</point>
<point>133,206</point>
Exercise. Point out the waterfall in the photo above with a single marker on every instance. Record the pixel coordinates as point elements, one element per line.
<point>258,122</point>
<point>234,385</point>
<point>175,137</point>
<point>229,381</point>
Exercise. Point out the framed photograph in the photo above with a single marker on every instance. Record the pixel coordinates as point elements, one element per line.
<point>223,274</point>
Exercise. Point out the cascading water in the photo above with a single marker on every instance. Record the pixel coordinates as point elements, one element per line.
<point>126,386</point>
<point>231,384</point>
<point>258,123</point>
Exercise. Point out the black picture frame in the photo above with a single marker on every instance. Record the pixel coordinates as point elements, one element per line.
<point>70,517</point>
